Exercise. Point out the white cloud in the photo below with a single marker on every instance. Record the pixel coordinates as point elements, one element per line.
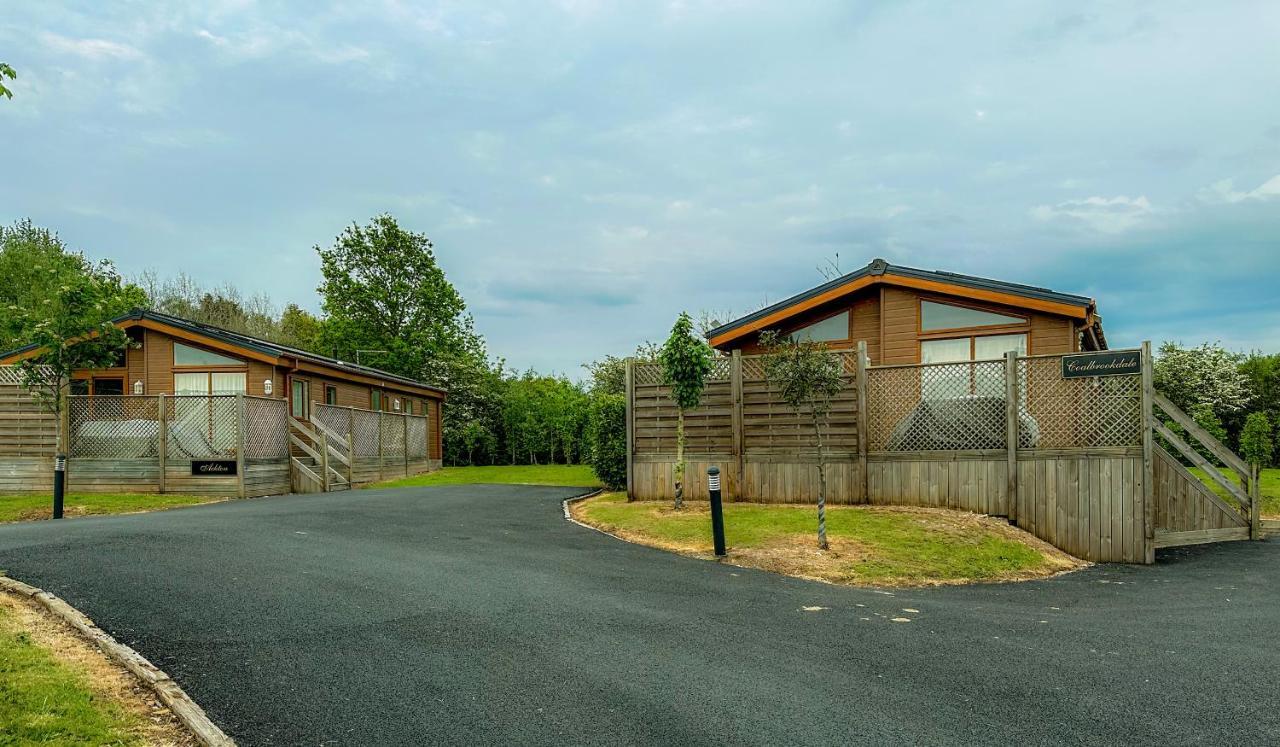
<point>1103,214</point>
<point>92,49</point>
<point>1225,191</point>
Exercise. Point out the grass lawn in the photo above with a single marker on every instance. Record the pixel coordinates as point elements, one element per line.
<point>880,546</point>
<point>1270,485</point>
<point>28,507</point>
<point>571,475</point>
<point>57,689</point>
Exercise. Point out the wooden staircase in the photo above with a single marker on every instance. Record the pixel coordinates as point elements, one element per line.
<point>320,459</point>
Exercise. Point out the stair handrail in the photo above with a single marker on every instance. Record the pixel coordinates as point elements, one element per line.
<point>1215,447</point>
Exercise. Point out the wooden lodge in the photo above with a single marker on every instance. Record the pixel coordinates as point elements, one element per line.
<point>959,392</point>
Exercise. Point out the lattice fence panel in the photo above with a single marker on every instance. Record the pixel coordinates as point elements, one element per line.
<point>1090,412</point>
<point>417,445</point>
<point>365,427</point>
<point>943,406</point>
<point>266,433</point>
<point>336,419</point>
<point>113,427</point>
<point>646,373</point>
<point>719,369</point>
<point>392,435</point>
<point>201,427</point>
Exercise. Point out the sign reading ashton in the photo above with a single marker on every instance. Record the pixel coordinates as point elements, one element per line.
<point>1111,363</point>
<point>213,467</point>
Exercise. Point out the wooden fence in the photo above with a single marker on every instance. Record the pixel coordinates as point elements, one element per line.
<point>1071,460</point>
<point>371,446</point>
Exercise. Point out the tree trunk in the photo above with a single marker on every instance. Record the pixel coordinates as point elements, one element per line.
<point>679,459</point>
<point>822,487</point>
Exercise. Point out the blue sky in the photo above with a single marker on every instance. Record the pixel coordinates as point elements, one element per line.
<point>587,169</point>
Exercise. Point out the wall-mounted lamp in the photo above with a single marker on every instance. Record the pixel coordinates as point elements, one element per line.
<point>396,404</point>
<point>137,387</point>
<point>266,387</point>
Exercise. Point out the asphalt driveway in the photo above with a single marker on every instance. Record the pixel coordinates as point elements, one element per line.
<point>476,614</point>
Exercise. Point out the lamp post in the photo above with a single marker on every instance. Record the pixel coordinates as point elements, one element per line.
<point>717,511</point>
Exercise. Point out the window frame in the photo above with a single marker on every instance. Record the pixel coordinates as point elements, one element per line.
<point>837,312</point>
<point>234,363</point>
<point>330,389</point>
<point>293,398</point>
<point>951,332</point>
<point>375,399</point>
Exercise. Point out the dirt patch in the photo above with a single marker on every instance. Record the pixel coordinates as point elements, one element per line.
<point>156,723</point>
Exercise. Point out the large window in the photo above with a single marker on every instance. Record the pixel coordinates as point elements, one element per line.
<point>185,355</point>
<point>944,382</point>
<point>210,382</point>
<point>939,316</point>
<point>830,329</point>
<point>375,399</point>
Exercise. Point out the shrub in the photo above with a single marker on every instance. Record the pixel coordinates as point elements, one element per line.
<point>1255,440</point>
<point>608,427</point>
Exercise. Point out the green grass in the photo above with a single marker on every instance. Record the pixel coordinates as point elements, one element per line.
<point>1269,480</point>
<point>869,545</point>
<point>28,507</point>
<point>42,701</point>
<point>573,475</point>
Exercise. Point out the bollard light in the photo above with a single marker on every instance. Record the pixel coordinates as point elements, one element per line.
<point>717,510</point>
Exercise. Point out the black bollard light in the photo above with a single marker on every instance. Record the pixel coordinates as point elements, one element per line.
<point>717,511</point>
<point>59,484</point>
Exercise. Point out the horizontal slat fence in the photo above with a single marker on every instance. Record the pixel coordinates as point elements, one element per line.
<point>28,438</point>
<point>1064,458</point>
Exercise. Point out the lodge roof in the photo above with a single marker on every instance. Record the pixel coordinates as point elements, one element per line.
<point>879,271</point>
<point>248,343</point>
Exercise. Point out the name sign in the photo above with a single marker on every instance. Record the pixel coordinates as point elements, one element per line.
<point>213,467</point>
<point>1119,363</point>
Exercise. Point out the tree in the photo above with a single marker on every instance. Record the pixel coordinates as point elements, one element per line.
<point>807,376</point>
<point>6,72</point>
<point>35,265</point>
<point>1205,375</point>
<point>609,440</point>
<point>686,361</point>
<point>72,332</point>
<point>299,328</point>
<point>608,375</point>
<point>1255,440</point>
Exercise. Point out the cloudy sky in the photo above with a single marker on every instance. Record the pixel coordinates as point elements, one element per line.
<point>587,169</point>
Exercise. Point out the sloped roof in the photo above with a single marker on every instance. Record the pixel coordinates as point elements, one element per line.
<point>249,343</point>
<point>879,271</point>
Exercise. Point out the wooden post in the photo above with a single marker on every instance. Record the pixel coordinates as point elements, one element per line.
<point>1011,428</point>
<point>241,422</point>
<point>380,475</point>
<point>629,378</point>
<point>162,440</point>
<point>351,446</point>
<point>324,462</point>
<point>861,383</point>
<point>735,387</point>
<point>1255,504</point>
<point>405,449</point>
<point>1148,459</point>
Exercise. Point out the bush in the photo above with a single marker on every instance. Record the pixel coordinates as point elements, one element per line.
<point>1255,440</point>
<point>608,427</point>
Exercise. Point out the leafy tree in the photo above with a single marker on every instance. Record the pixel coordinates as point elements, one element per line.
<point>686,361</point>
<point>6,72</point>
<point>1207,375</point>
<point>609,374</point>
<point>808,377</point>
<point>299,328</point>
<point>609,439</point>
<point>1255,440</point>
<point>1263,374</point>
<point>35,266</point>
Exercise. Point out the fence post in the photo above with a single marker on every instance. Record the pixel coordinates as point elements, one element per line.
<point>629,378</point>
<point>735,386</point>
<point>351,446</point>
<point>1255,504</point>
<point>324,462</point>
<point>380,475</point>
<point>405,448</point>
<point>162,439</point>
<point>861,383</point>
<point>1148,458</point>
<point>1011,428</point>
<point>241,423</point>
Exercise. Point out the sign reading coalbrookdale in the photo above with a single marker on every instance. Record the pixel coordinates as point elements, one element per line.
<point>1118,363</point>
<point>213,467</point>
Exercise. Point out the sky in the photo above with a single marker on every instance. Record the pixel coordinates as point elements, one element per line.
<point>588,169</point>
